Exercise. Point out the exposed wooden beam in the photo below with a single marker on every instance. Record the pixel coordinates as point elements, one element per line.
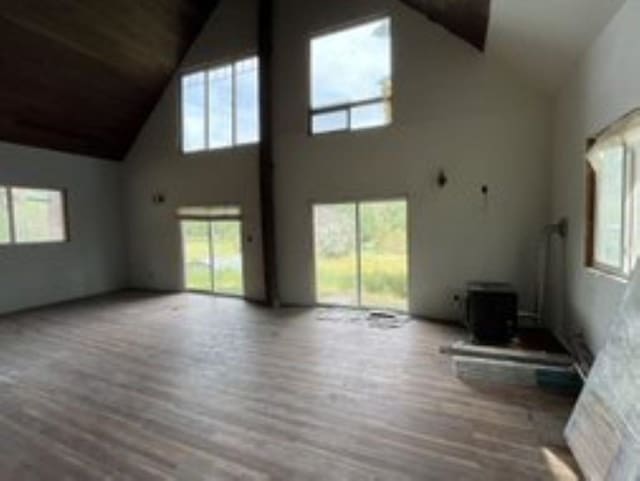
<point>468,19</point>
<point>267,200</point>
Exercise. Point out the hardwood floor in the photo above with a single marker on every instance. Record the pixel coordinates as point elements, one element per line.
<point>186,387</point>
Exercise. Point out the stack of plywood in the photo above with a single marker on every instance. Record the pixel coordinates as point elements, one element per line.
<point>514,366</point>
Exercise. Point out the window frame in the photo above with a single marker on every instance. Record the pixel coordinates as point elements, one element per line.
<point>224,214</point>
<point>206,68</point>
<point>630,206</point>
<point>66,225</point>
<point>9,208</point>
<point>348,106</point>
<point>359,201</point>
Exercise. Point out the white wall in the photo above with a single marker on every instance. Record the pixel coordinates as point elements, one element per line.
<point>453,109</point>
<point>92,262</point>
<point>156,164</point>
<point>603,87</point>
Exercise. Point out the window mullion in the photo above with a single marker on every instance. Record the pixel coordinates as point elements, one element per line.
<point>234,94</point>
<point>11,213</point>
<point>623,208</point>
<point>212,256</point>
<point>359,252</point>
<point>626,213</point>
<point>630,208</point>
<point>207,109</point>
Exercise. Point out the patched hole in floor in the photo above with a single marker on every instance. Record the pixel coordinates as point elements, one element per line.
<point>377,319</point>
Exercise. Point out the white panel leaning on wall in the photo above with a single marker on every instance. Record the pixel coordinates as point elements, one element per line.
<point>604,430</point>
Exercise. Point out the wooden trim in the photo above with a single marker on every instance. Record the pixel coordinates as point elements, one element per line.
<point>11,216</point>
<point>591,183</point>
<point>590,237</point>
<point>67,215</point>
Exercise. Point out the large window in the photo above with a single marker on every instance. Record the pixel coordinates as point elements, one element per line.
<point>220,107</point>
<point>351,78</point>
<point>32,216</point>
<point>614,213</point>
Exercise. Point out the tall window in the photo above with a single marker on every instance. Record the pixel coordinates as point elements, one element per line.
<point>351,78</point>
<point>614,198</point>
<point>32,216</point>
<point>220,107</point>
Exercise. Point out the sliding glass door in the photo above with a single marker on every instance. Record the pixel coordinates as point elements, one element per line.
<point>212,252</point>
<point>197,254</point>
<point>384,254</point>
<point>361,254</point>
<point>336,259</point>
<point>227,258</point>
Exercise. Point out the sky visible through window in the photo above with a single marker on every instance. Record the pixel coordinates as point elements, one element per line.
<point>352,65</point>
<point>232,116</point>
<point>610,207</point>
<point>349,67</point>
<point>247,102</point>
<point>193,111</point>
<point>221,107</point>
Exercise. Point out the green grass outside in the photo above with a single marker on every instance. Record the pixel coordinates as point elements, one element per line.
<point>228,280</point>
<point>384,275</point>
<point>384,280</point>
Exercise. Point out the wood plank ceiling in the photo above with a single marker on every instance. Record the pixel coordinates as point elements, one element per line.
<point>468,19</point>
<point>82,76</point>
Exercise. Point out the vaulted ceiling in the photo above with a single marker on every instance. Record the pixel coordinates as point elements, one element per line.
<point>543,39</point>
<point>82,76</point>
<point>468,19</point>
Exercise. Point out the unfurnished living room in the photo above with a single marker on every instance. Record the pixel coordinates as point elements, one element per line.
<point>284,240</point>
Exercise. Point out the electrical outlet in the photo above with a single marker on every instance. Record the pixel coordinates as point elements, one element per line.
<point>458,299</point>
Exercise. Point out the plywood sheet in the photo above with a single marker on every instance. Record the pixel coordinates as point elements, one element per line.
<point>604,430</point>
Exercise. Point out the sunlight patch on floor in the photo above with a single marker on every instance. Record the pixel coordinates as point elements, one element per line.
<point>560,469</point>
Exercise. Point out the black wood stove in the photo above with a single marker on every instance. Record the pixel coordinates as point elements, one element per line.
<point>492,312</point>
